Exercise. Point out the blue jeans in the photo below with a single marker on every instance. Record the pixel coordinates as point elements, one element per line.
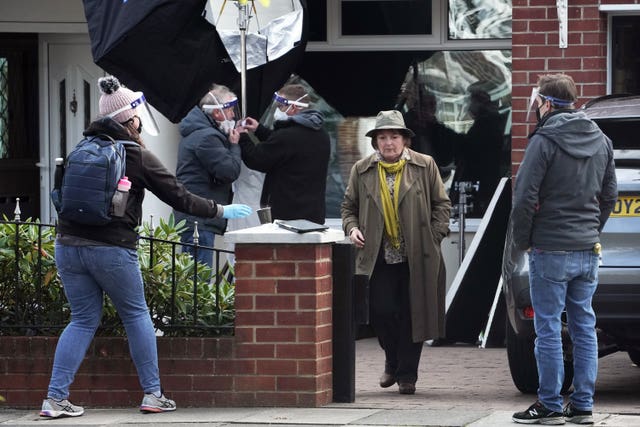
<point>87,273</point>
<point>205,238</point>
<point>564,280</point>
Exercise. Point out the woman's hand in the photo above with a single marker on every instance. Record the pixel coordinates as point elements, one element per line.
<point>356,237</point>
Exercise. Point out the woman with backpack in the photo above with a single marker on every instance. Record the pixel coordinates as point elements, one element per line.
<point>94,260</point>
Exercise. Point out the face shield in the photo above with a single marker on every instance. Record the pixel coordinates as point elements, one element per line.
<point>282,105</point>
<point>143,112</point>
<point>230,111</point>
<point>555,102</point>
<point>533,105</point>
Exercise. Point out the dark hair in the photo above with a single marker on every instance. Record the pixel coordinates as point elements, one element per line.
<point>133,132</point>
<point>559,86</point>
<point>403,132</point>
<point>295,92</point>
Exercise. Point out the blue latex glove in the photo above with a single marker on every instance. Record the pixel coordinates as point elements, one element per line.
<point>236,211</point>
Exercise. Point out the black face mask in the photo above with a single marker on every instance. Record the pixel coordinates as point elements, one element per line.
<point>538,114</point>
<point>139,126</point>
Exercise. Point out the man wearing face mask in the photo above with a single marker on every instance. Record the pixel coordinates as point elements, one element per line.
<point>294,156</point>
<point>565,190</point>
<point>208,162</point>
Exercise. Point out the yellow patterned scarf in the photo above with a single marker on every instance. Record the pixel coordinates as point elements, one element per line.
<point>389,207</point>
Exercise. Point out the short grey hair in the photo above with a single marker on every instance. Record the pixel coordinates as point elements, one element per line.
<point>220,92</point>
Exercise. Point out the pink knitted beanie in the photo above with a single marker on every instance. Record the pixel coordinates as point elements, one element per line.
<point>114,97</point>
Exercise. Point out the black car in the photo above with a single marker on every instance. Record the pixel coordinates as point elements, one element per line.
<point>617,298</point>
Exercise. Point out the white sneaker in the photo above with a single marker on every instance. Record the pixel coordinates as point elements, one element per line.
<point>153,403</point>
<point>53,408</point>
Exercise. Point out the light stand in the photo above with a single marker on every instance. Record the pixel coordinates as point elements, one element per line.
<point>460,210</point>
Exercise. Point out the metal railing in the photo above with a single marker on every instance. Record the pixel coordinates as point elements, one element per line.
<point>187,299</point>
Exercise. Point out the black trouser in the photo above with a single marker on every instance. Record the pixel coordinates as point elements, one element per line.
<point>390,314</point>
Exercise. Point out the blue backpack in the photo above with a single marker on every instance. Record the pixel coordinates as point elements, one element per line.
<point>91,174</point>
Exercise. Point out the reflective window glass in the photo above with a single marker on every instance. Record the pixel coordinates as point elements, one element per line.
<point>457,102</point>
<point>625,51</point>
<point>317,20</point>
<point>482,19</point>
<point>386,17</point>
<point>4,107</point>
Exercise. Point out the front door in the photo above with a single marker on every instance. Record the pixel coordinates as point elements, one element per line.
<point>73,102</point>
<point>19,150</point>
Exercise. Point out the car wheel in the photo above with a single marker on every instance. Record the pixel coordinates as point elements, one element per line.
<point>634,355</point>
<point>522,363</point>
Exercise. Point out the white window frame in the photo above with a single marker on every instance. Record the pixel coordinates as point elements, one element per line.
<point>437,40</point>
<point>615,10</point>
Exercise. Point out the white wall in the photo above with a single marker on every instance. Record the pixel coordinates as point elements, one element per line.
<point>165,146</point>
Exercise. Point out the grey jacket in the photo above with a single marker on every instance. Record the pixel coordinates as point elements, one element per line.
<point>207,165</point>
<point>566,185</point>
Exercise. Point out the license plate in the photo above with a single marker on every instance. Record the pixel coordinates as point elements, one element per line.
<point>627,206</point>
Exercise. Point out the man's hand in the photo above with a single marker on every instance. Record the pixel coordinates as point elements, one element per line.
<point>249,124</point>
<point>234,136</point>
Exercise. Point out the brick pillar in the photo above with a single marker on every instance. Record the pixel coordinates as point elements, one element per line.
<point>283,316</point>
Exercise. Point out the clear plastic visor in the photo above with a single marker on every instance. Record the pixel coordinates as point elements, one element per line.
<point>532,101</point>
<point>230,109</point>
<point>556,102</point>
<point>143,111</point>
<point>281,101</point>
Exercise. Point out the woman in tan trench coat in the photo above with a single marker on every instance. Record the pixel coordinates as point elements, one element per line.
<point>396,212</point>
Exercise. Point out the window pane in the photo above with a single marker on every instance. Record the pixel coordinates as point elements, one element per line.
<point>482,19</point>
<point>4,108</point>
<point>459,105</point>
<point>317,20</point>
<point>87,103</point>
<point>386,17</point>
<point>625,50</point>
<point>457,102</point>
<point>62,107</point>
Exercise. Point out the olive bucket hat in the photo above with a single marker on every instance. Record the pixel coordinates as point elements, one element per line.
<point>391,119</point>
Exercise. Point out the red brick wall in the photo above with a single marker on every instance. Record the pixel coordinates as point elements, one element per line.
<point>189,370</point>
<point>283,324</point>
<point>536,52</point>
<point>281,354</point>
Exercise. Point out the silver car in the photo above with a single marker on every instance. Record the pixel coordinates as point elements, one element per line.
<point>617,298</point>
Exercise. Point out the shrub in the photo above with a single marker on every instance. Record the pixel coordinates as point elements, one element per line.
<point>181,301</point>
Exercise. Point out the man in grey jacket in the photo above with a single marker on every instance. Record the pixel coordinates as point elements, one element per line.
<point>209,162</point>
<point>564,192</point>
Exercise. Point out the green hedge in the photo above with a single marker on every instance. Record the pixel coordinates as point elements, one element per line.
<point>32,299</point>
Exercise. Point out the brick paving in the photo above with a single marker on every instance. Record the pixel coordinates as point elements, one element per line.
<point>460,377</point>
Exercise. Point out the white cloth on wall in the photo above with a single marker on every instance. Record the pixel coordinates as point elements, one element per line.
<point>247,189</point>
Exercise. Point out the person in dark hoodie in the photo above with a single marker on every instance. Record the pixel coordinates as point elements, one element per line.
<point>97,260</point>
<point>294,156</point>
<point>564,192</point>
<point>208,163</point>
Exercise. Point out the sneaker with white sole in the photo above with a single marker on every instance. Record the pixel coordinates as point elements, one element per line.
<point>576,416</point>
<point>538,414</point>
<point>153,403</point>
<point>54,408</point>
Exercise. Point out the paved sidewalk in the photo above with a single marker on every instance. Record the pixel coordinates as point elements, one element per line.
<point>458,386</point>
<point>333,415</point>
